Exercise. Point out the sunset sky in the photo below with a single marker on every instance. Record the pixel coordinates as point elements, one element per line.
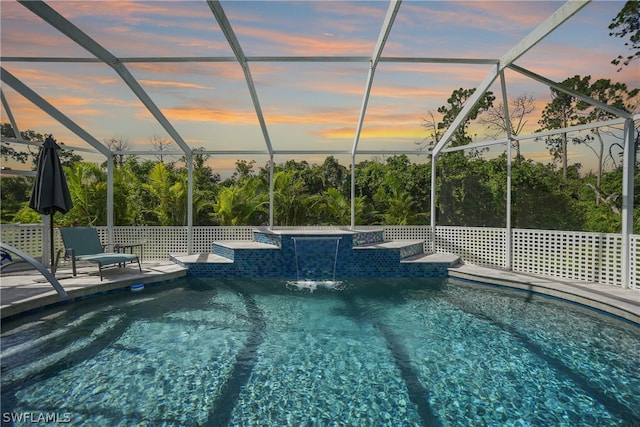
<point>307,106</point>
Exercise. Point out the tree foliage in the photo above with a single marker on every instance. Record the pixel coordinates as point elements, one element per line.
<point>627,24</point>
<point>471,191</point>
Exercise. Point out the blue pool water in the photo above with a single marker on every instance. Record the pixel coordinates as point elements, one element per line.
<point>371,353</point>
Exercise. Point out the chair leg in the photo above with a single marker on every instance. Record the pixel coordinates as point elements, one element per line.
<point>139,267</point>
<point>73,262</point>
<point>100,270</point>
<point>55,265</point>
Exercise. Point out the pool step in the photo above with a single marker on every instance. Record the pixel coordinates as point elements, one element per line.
<point>98,325</point>
<point>406,248</point>
<point>229,248</point>
<point>451,259</point>
<point>342,253</point>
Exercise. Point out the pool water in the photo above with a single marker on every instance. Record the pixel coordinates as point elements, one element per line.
<point>363,353</point>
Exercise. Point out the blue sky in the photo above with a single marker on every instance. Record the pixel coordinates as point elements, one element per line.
<point>308,106</point>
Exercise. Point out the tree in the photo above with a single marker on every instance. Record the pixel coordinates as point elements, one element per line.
<point>244,203</point>
<point>160,145</point>
<point>400,208</point>
<point>290,199</point>
<point>470,191</point>
<point>561,113</point>
<point>6,151</point>
<point>455,104</point>
<point>627,23</point>
<point>615,94</point>
<point>519,108</point>
<point>333,175</point>
<point>88,188</point>
<point>538,200</point>
<point>205,189</point>
<point>331,207</point>
<point>117,143</point>
<point>244,170</point>
<point>15,192</point>
<point>170,194</point>
<point>433,133</point>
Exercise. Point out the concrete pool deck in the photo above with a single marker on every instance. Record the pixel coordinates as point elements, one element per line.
<point>21,291</point>
<point>621,302</point>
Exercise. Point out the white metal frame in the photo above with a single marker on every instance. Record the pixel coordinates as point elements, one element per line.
<point>102,55</point>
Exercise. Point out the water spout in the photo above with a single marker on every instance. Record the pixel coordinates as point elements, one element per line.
<point>296,239</point>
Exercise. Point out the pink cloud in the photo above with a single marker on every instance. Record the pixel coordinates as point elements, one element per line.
<point>296,44</point>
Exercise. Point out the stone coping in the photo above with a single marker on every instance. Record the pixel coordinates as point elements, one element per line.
<point>620,302</point>
<point>390,244</point>
<point>319,232</point>
<point>243,244</point>
<point>29,291</point>
<point>450,259</point>
<point>22,293</point>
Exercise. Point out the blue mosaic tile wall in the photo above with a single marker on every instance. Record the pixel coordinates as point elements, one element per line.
<point>412,250</point>
<point>315,259</point>
<point>223,251</point>
<point>268,238</point>
<point>368,237</point>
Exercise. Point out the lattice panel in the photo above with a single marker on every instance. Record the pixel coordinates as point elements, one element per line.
<point>203,237</point>
<point>571,255</point>
<point>634,261</point>
<point>592,257</point>
<point>477,245</point>
<point>312,227</point>
<point>158,242</point>
<point>27,238</point>
<point>610,260</point>
<point>410,232</point>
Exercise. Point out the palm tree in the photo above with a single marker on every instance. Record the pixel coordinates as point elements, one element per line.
<point>400,206</point>
<point>333,208</point>
<point>171,196</point>
<point>88,188</point>
<point>290,200</point>
<point>242,204</point>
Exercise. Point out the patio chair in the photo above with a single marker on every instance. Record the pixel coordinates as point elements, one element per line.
<point>83,244</point>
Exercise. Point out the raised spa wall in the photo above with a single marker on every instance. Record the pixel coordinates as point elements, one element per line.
<point>319,255</point>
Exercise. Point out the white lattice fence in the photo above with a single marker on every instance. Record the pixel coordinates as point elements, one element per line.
<point>568,254</point>
<point>409,232</point>
<point>157,242</point>
<point>554,253</point>
<point>595,257</point>
<point>203,237</point>
<point>609,259</point>
<point>27,238</point>
<point>477,245</point>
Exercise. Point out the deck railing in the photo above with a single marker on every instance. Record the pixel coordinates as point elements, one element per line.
<point>592,257</point>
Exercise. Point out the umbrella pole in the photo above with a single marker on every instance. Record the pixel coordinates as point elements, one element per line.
<point>51,240</point>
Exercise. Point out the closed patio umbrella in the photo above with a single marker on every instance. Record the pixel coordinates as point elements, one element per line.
<point>50,192</point>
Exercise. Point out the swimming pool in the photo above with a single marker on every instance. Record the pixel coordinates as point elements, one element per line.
<point>361,353</point>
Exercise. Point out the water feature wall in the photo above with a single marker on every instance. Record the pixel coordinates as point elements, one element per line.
<point>318,255</point>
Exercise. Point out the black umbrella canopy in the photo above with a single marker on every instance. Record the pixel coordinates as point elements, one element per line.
<point>50,192</point>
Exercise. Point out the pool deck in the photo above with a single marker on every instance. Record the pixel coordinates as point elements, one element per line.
<point>22,291</point>
<point>621,302</point>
